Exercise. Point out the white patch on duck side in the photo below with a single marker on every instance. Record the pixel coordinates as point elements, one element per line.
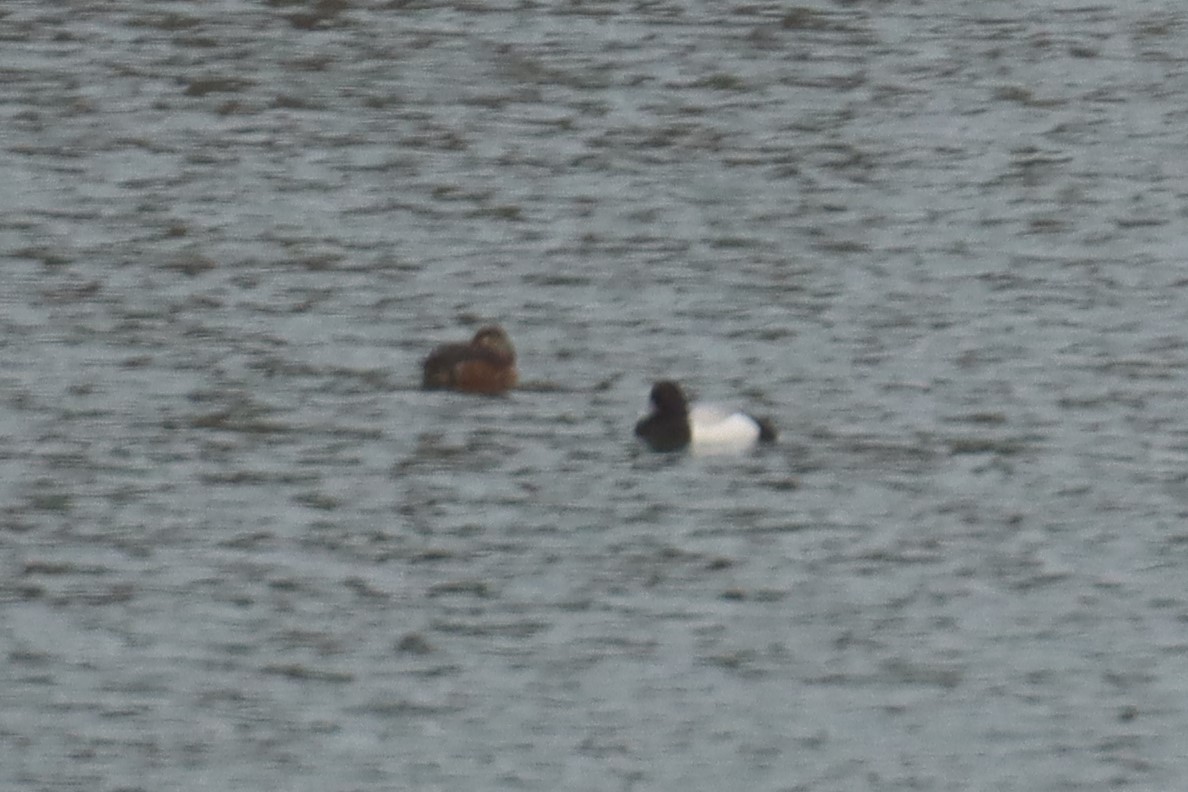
<point>716,430</point>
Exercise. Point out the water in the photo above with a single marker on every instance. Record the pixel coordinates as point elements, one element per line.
<point>939,243</point>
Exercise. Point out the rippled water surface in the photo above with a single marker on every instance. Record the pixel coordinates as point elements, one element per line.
<point>940,243</point>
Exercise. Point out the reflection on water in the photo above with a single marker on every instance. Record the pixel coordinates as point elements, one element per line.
<point>939,244</point>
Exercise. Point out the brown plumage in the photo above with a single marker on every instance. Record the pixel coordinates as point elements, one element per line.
<point>485,365</point>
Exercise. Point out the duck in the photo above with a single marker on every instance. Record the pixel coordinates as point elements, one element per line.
<point>675,425</point>
<point>487,364</point>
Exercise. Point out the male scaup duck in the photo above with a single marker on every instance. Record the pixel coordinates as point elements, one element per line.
<point>673,425</point>
<point>485,365</point>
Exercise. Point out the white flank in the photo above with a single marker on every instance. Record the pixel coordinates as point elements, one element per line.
<point>718,431</point>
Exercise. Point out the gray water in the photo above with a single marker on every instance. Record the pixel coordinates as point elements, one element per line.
<point>939,243</point>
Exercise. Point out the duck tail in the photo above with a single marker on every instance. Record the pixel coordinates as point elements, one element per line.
<point>767,430</point>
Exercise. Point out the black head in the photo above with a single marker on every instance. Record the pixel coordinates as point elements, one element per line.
<point>668,399</point>
<point>667,428</point>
